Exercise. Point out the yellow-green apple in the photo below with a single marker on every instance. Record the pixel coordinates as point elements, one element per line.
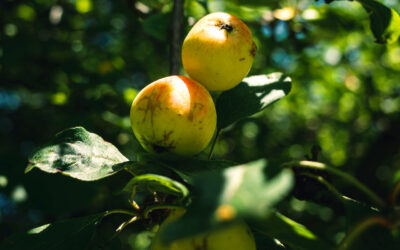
<point>174,114</point>
<point>218,51</point>
<point>235,236</point>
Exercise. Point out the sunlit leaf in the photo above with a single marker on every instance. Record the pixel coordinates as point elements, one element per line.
<point>78,153</point>
<point>384,21</point>
<point>251,96</point>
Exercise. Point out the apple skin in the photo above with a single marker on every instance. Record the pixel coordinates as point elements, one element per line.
<point>174,114</point>
<point>235,236</point>
<point>218,51</point>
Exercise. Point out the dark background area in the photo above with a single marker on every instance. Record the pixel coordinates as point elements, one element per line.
<point>81,62</point>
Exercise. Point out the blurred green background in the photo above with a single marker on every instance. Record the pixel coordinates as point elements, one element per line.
<point>81,62</point>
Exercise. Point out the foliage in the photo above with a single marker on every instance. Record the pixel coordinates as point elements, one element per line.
<point>78,64</point>
<point>79,154</point>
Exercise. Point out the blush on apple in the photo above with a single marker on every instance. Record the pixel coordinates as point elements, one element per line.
<point>174,114</point>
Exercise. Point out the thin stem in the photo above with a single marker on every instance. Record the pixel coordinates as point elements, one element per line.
<point>126,223</point>
<point>321,166</point>
<point>121,211</point>
<point>328,185</point>
<point>121,227</point>
<point>214,143</point>
<point>132,201</point>
<point>177,27</point>
<point>361,227</point>
<point>157,207</point>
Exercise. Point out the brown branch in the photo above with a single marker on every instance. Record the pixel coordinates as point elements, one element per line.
<point>177,26</point>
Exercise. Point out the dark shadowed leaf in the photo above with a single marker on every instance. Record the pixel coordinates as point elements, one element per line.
<point>264,242</point>
<point>79,154</point>
<point>384,21</point>
<point>185,167</point>
<point>289,232</point>
<point>376,236</point>
<point>251,96</point>
<point>244,191</point>
<point>69,234</point>
<point>157,183</point>
<point>357,211</point>
<point>146,166</point>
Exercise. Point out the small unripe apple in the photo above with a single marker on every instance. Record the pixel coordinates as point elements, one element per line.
<point>236,236</point>
<point>218,51</point>
<point>174,114</point>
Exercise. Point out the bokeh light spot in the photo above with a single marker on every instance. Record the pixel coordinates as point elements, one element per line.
<point>83,6</point>
<point>19,194</point>
<point>59,98</point>
<point>10,29</point>
<point>26,12</point>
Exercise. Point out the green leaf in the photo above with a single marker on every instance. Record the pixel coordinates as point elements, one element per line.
<point>69,234</point>
<point>157,183</point>
<point>291,233</point>
<point>384,21</point>
<point>244,191</point>
<point>79,154</point>
<point>251,96</point>
<point>250,193</point>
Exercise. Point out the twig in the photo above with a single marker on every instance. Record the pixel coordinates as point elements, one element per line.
<point>126,223</point>
<point>350,179</point>
<point>121,211</point>
<point>177,26</point>
<point>328,185</point>
<point>132,201</point>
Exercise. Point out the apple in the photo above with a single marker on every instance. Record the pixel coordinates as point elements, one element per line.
<point>235,236</point>
<point>174,114</point>
<point>218,51</point>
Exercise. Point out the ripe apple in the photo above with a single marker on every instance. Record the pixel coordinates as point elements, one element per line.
<point>218,51</point>
<point>236,236</point>
<point>174,114</point>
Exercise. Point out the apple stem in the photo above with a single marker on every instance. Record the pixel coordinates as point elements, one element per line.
<point>226,27</point>
<point>214,143</point>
